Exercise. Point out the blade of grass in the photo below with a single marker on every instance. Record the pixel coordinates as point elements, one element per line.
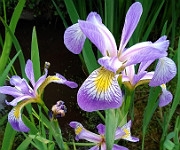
<point>149,110</point>
<point>17,47</point>
<point>6,71</point>
<point>175,100</point>
<point>35,55</point>
<point>8,139</point>
<point>60,14</point>
<point>8,41</point>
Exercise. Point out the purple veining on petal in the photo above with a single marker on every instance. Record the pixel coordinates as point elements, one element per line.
<point>132,18</point>
<point>30,72</point>
<point>74,39</point>
<point>100,91</point>
<point>164,72</point>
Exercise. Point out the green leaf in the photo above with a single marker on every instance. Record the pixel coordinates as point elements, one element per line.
<point>8,139</point>
<point>17,47</point>
<point>24,145</point>
<point>111,125</point>
<point>6,71</point>
<point>8,41</point>
<point>35,55</point>
<point>150,109</point>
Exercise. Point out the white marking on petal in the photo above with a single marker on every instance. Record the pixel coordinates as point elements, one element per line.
<point>100,91</point>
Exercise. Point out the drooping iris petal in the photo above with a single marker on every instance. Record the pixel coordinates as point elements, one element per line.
<point>100,36</point>
<point>132,18</point>
<point>30,72</point>
<point>100,91</point>
<point>143,51</point>
<point>74,39</point>
<point>10,91</point>
<point>164,72</point>
<point>165,98</point>
<point>112,64</point>
<point>82,133</point>
<point>15,101</point>
<point>63,80</point>
<point>14,118</point>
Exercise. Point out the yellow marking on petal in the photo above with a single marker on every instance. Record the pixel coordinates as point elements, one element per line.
<point>48,80</point>
<point>127,134</point>
<point>163,86</point>
<point>103,80</point>
<point>17,108</point>
<point>78,129</point>
<point>16,113</point>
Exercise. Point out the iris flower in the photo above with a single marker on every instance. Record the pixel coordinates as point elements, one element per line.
<point>99,139</point>
<point>164,72</point>
<point>25,93</point>
<point>101,90</point>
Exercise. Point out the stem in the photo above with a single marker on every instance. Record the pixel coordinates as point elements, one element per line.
<point>57,134</point>
<point>100,115</point>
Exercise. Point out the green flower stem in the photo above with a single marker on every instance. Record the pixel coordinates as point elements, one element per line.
<point>57,134</point>
<point>128,100</point>
<point>81,144</point>
<point>111,125</point>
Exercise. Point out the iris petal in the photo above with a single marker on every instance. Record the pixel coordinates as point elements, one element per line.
<point>10,91</point>
<point>74,39</point>
<point>100,91</point>
<point>126,128</point>
<point>164,72</point>
<point>101,129</point>
<point>30,72</point>
<point>112,64</point>
<point>143,51</point>
<point>63,80</point>
<point>100,36</point>
<point>14,118</point>
<point>15,101</point>
<point>132,18</point>
<point>117,147</point>
<point>41,80</point>
<point>165,98</point>
<point>82,133</point>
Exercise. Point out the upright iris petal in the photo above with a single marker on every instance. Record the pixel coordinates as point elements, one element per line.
<point>132,18</point>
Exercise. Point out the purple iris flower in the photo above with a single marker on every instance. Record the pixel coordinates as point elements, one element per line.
<point>25,93</point>
<point>164,72</point>
<point>101,90</point>
<point>99,139</point>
